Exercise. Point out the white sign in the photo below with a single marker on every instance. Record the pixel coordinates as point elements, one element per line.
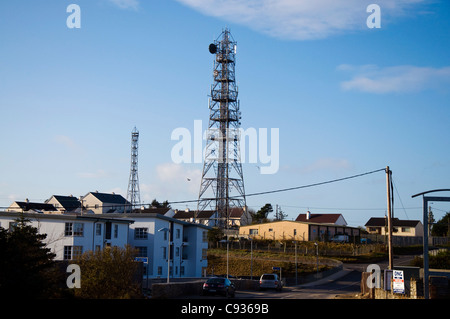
<point>398,282</point>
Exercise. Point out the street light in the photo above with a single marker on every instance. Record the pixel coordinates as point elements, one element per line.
<point>251,257</point>
<point>165,229</point>
<point>296,278</point>
<point>317,254</point>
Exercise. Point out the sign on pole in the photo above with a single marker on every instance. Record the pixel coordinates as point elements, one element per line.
<point>398,282</point>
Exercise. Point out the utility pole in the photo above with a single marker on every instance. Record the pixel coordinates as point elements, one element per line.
<point>388,186</point>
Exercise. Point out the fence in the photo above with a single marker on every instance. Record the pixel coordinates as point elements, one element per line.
<point>407,240</point>
<point>303,248</point>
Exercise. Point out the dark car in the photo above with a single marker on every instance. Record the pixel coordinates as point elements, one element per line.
<point>218,285</point>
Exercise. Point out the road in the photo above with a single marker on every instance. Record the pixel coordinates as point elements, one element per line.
<point>344,284</point>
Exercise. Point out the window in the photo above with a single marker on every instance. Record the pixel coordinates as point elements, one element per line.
<point>116,231</point>
<point>74,229</point>
<point>141,233</point>
<point>77,251</point>
<point>72,252</point>
<point>177,251</point>
<point>204,253</point>
<point>142,251</point>
<point>159,271</point>
<point>67,252</point>
<point>253,231</point>
<point>78,229</point>
<point>406,229</point>
<point>182,270</point>
<point>205,236</point>
<point>164,252</point>
<point>68,230</point>
<point>178,232</point>
<point>98,229</point>
<point>295,232</point>
<point>270,230</point>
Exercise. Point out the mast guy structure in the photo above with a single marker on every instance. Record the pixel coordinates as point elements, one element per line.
<point>133,194</point>
<point>222,184</point>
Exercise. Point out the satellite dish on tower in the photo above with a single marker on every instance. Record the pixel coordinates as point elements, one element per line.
<point>212,48</point>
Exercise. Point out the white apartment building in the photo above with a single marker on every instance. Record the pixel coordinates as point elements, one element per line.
<point>69,235</point>
<point>72,235</point>
<point>150,234</point>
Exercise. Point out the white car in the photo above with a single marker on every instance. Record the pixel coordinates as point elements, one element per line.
<point>270,281</point>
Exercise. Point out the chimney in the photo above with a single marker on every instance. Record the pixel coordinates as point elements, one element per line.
<point>308,215</point>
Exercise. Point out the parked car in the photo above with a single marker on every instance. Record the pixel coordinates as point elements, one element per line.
<point>340,239</point>
<point>219,285</point>
<point>270,281</point>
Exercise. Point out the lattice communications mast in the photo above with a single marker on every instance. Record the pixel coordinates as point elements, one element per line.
<point>222,184</point>
<point>133,195</point>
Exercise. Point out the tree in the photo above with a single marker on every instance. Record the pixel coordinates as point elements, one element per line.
<point>27,268</point>
<point>157,204</point>
<point>261,215</point>
<point>280,215</point>
<point>442,227</point>
<point>215,235</point>
<point>108,274</point>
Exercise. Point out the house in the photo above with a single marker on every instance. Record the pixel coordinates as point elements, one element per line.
<point>335,219</point>
<point>237,217</point>
<point>105,203</point>
<point>378,226</point>
<point>206,217</point>
<point>68,236</point>
<point>296,230</point>
<point>65,204</point>
<point>27,206</point>
<point>151,233</point>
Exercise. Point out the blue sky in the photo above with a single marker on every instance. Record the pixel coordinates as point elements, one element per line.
<point>346,99</point>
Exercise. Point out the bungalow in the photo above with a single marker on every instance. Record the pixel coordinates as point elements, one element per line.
<point>27,206</point>
<point>65,204</point>
<point>296,230</point>
<point>238,217</point>
<point>105,203</point>
<point>335,219</point>
<point>378,226</point>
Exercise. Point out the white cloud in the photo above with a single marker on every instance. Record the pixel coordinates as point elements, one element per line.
<point>126,4</point>
<point>298,19</point>
<point>173,182</point>
<point>401,79</point>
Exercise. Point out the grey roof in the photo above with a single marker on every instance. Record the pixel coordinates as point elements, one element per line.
<point>69,203</point>
<point>35,206</point>
<point>110,198</point>
<point>382,221</point>
<point>93,217</point>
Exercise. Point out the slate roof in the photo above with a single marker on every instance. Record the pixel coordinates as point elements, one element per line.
<point>110,198</point>
<point>69,203</point>
<point>381,222</point>
<point>35,206</point>
<point>319,218</point>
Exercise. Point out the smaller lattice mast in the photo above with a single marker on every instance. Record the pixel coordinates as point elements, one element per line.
<point>133,195</point>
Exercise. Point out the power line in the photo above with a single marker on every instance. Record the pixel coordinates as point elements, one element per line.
<point>296,187</point>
